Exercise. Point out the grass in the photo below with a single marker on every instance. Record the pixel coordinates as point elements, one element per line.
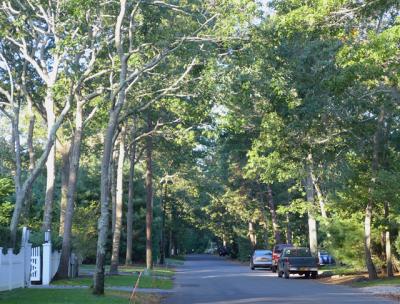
<point>76,296</point>
<point>157,271</point>
<point>120,280</point>
<point>175,261</point>
<point>383,281</point>
<point>342,270</point>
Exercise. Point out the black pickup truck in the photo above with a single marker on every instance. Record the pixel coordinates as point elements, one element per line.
<point>297,260</point>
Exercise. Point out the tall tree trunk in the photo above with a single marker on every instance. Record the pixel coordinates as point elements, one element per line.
<point>312,223</point>
<point>163,210</point>
<point>50,164</point>
<point>320,197</point>
<point>252,235</point>
<point>113,191</point>
<point>388,245</point>
<point>98,284</point>
<point>65,154</point>
<point>274,218</point>
<point>129,216</point>
<point>31,152</point>
<point>118,206</point>
<point>376,161</point>
<point>102,225</point>
<point>149,196</point>
<point>264,217</point>
<point>367,243</point>
<point>288,230</point>
<point>71,193</point>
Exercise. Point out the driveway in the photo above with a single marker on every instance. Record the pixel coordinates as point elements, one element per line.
<point>206,279</point>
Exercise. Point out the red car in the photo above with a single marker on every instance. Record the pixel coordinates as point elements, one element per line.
<point>276,253</point>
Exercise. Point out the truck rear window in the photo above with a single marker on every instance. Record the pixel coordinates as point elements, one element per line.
<point>298,252</point>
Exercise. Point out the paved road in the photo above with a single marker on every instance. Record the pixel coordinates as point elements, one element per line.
<point>205,279</point>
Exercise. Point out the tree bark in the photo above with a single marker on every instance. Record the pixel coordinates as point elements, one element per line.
<point>71,193</point>
<point>22,190</point>
<point>50,163</point>
<point>65,154</point>
<point>288,230</point>
<point>372,274</point>
<point>388,245</point>
<point>129,216</point>
<point>118,207</point>
<point>98,284</point>
<point>274,218</point>
<point>31,151</point>
<point>252,235</point>
<point>113,191</point>
<point>320,198</point>
<point>312,223</point>
<point>149,196</point>
<point>376,160</point>
<point>163,210</point>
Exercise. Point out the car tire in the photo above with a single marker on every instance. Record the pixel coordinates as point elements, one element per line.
<point>307,275</point>
<point>280,274</point>
<point>314,275</point>
<point>286,274</point>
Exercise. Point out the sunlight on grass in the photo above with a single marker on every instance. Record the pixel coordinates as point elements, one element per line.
<point>157,271</point>
<point>120,280</point>
<point>385,281</point>
<point>61,296</point>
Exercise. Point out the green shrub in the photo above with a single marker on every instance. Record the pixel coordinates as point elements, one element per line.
<point>36,238</point>
<point>5,239</point>
<point>345,241</point>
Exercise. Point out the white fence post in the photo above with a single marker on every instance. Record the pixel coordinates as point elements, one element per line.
<point>10,272</point>
<point>26,247</point>
<point>46,275</point>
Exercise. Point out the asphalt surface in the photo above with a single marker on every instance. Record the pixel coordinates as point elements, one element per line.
<point>206,279</point>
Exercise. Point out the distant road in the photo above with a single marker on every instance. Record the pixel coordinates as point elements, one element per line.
<point>206,279</point>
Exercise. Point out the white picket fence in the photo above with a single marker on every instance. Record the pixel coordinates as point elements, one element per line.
<point>29,265</point>
<point>15,269</point>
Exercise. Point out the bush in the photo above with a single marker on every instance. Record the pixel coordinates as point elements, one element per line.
<point>37,239</point>
<point>345,241</point>
<point>5,239</point>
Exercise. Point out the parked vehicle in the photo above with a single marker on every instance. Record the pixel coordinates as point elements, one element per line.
<point>325,258</point>
<point>222,251</point>
<point>276,252</point>
<point>297,260</point>
<point>261,259</point>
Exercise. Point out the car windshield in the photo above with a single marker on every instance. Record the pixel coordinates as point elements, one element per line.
<point>298,252</point>
<point>262,252</point>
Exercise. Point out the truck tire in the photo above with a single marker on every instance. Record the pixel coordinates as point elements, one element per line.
<point>314,275</point>
<point>286,274</point>
<point>307,275</point>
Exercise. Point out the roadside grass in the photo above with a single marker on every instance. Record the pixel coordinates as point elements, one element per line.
<point>120,280</point>
<point>382,281</point>
<point>69,296</point>
<point>175,261</point>
<point>157,271</point>
<point>341,270</point>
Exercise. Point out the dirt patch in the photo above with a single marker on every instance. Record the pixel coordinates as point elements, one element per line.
<point>344,279</point>
<point>147,299</point>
